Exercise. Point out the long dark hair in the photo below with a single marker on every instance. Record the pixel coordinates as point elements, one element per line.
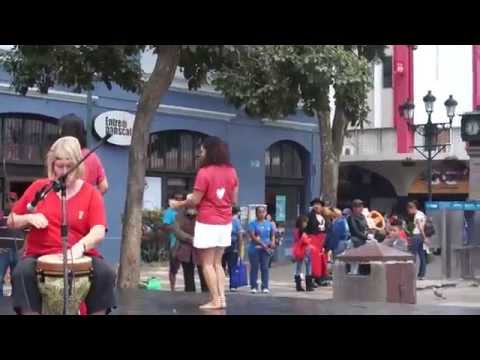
<point>300,220</point>
<point>72,125</point>
<point>216,152</point>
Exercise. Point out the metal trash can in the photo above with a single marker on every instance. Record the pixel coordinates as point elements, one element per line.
<point>385,275</point>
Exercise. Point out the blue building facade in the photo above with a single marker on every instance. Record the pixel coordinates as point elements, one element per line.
<point>273,158</point>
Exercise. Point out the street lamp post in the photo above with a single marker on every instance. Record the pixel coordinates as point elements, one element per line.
<point>429,130</point>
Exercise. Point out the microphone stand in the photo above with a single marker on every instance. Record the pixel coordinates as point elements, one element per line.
<point>60,185</point>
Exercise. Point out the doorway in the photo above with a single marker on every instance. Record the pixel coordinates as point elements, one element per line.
<point>285,203</point>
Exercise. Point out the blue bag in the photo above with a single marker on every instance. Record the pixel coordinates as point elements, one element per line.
<point>239,275</point>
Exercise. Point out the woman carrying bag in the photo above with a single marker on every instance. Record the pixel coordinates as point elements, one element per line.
<point>233,261</point>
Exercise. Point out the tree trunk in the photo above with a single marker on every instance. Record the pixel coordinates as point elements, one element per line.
<point>328,161</point>
<point>156,86</point>
<point>331,144</point>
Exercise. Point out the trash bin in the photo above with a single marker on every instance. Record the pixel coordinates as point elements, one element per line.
<point>385,275</point>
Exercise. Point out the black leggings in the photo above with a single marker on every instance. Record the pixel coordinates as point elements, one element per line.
<point>100,297</point>
<point>189,277</point>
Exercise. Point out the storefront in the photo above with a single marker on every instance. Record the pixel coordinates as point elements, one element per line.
<point>29,126</point>
<point>25,139</point>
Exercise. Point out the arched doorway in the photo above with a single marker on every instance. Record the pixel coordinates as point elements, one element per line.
<point>24,141</point>
<point>285,181</point>
<point>375,190</point>
<point>172,157</point>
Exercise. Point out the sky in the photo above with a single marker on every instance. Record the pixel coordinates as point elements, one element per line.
<point>445,70</point>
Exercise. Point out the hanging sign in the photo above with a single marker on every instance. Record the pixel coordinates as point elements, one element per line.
<point>117,123</point>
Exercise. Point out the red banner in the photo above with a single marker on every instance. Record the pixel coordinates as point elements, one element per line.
<point>476,76</point>
<point>402,90</point>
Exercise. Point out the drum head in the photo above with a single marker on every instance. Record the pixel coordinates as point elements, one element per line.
<point>53,264</point>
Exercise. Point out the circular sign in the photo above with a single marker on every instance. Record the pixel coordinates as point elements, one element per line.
<point>117,123</point>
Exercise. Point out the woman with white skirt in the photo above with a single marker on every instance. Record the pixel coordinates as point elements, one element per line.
<point>214,193</point>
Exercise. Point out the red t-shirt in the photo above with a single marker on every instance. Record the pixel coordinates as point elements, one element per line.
<point>94,171</point>
<point>85,210</point>
<point>218,184</point>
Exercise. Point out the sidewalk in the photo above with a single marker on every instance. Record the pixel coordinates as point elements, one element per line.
<point>449,292</point>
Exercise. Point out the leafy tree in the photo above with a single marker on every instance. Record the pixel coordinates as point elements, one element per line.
<point>79,66</point>
<point>275,81</point>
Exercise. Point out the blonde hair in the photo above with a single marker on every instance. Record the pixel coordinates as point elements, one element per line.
<point>65,148</point>
<point>331,213</point>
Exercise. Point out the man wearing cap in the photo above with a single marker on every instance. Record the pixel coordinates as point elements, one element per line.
<point>357,224</point>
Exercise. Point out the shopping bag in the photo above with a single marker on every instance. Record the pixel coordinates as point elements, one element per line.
<point>239,275</point>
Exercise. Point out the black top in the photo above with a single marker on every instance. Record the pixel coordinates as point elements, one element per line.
<point>358,229</point>
<point>313,224</point>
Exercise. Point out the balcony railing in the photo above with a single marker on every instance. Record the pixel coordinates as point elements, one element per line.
<point>380,144</point>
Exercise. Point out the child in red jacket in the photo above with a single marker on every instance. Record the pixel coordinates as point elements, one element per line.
<point>301,252</point>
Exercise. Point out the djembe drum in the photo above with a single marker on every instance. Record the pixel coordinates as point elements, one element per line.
<point>50,283</point>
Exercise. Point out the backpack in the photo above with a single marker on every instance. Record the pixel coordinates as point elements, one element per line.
<point>429,228</point>
<point>338,232</point>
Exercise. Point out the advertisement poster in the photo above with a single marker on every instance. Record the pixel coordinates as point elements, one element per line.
<point>448,177</point>
<point>152,197</point>
<point>280,208</point>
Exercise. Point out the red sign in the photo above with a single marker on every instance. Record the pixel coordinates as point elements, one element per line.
<point>399,67</point>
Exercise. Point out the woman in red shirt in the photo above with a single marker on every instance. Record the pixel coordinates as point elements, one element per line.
<point>72,125</point>
<point>214,193</point>
<point>86,229</point>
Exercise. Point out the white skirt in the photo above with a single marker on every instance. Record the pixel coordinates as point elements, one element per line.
<point>210,236</point>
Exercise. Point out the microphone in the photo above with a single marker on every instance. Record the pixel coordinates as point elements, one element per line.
<point>38,197</point>
<point>107,136</point>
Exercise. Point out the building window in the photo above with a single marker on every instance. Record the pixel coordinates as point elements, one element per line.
<point>387,72</point>
<point>284,160</point>
<point>174,151</point>
<point>26,137</point>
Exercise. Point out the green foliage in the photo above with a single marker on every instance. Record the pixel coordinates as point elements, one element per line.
<point>198,61</point>
<point>152,218</point>
<point>76,66</point>
<point>276,80</point>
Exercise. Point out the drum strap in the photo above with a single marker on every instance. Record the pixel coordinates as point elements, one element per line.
<point>6,179</point>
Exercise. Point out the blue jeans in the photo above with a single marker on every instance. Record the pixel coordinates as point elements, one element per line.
<point>307,260</point>
<point>416,248</point>
<point>8,259</point>
<point>342,246</point>
<point>258,258</point>
<point>231,259</point>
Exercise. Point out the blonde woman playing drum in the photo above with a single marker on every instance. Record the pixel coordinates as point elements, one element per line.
<point>86,229</point>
